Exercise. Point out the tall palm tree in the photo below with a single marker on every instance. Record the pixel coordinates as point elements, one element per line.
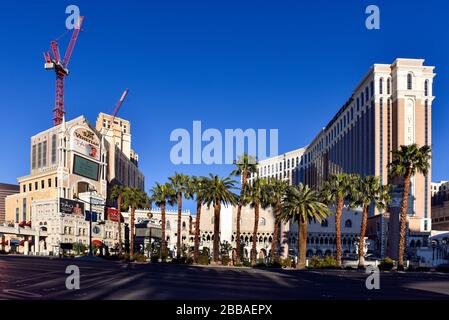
<point>257,195</point>
<point>406,162</point>
<point>245,165</point>
<point>369,192</point>
<point>277,193</point>
<point>218,192</point>
<point>198,187</point>
<point>337,192</point>
<point>117,194</point>
<point>161,195</point>
<point>134,199</point>
<point>302,205</point>
<point>180,184</point>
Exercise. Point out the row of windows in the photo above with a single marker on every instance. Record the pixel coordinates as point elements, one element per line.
<point>262,221</point>
<point>107,124</point>
<point>39,154</point>
<point>38,185</point>
<point>273,168</point>
<point>360,102</point>
<point>184,225</point>
<point>348,223</point>
<point>410,84</point>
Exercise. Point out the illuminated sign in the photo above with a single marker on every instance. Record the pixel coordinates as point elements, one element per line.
<point>86,142</point>
<point>85,168</point>
<point>71,207</point>
<point>113,214</point>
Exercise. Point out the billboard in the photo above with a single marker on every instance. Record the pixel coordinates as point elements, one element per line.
<point>113,214</point>
<point>86,142</point>
<point>71,207</point>
<point>85,168</point>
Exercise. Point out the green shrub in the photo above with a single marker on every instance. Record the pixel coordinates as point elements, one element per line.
<point>138,257</point>
<point>315,263</point>
<point>387,264</point>
<point>246,263</point>
<point>328,262</point>
<point>203,260</point>
<point>225,260</point>
<point>276,263</point>
<point>260,265</point>
<point>286,263</point>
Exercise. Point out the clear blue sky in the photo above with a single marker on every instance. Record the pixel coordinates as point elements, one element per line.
<point>231,64</point>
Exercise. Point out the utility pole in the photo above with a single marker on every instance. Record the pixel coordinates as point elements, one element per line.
<point>90,222</point>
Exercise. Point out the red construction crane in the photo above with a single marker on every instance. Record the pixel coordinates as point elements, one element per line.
<point>61,70</point>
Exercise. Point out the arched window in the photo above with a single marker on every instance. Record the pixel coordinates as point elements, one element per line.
<point>183,225</point>
<point>348,223</point>
<point>381,85</point>
<point>212,220</point>
<point>388,86</point>
<point>363,99</point>
<point>324,223</point>
<point>426,88</point>
<point>409,81</point>
<point>262,221</point>
<point>167,225</point>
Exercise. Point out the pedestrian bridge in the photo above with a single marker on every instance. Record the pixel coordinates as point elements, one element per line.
<point>22,231</point>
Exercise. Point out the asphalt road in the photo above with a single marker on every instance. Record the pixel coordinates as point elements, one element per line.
<point>44,278</point>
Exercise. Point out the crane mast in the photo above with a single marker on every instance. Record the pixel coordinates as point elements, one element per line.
<point>61,70</point>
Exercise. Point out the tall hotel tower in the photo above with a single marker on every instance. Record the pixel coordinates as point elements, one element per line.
<point>390,107</point>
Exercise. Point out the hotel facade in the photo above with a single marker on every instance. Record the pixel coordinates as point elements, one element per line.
<point>72,165</point>
<point>390,107</point>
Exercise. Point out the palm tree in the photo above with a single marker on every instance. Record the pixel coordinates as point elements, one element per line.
<point>197,188</point>
<point>134,199</point>
<point>369,192</point>
<point>336,192</point>
<point>302,205</point>
<point>180,184</point>
<point>218,192</point>
<point>257,195</point>
<point>161,195</point>
<point>277,189</point>
<point>406,162</point>
<point>246,165</point>
<point>117,193</point>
